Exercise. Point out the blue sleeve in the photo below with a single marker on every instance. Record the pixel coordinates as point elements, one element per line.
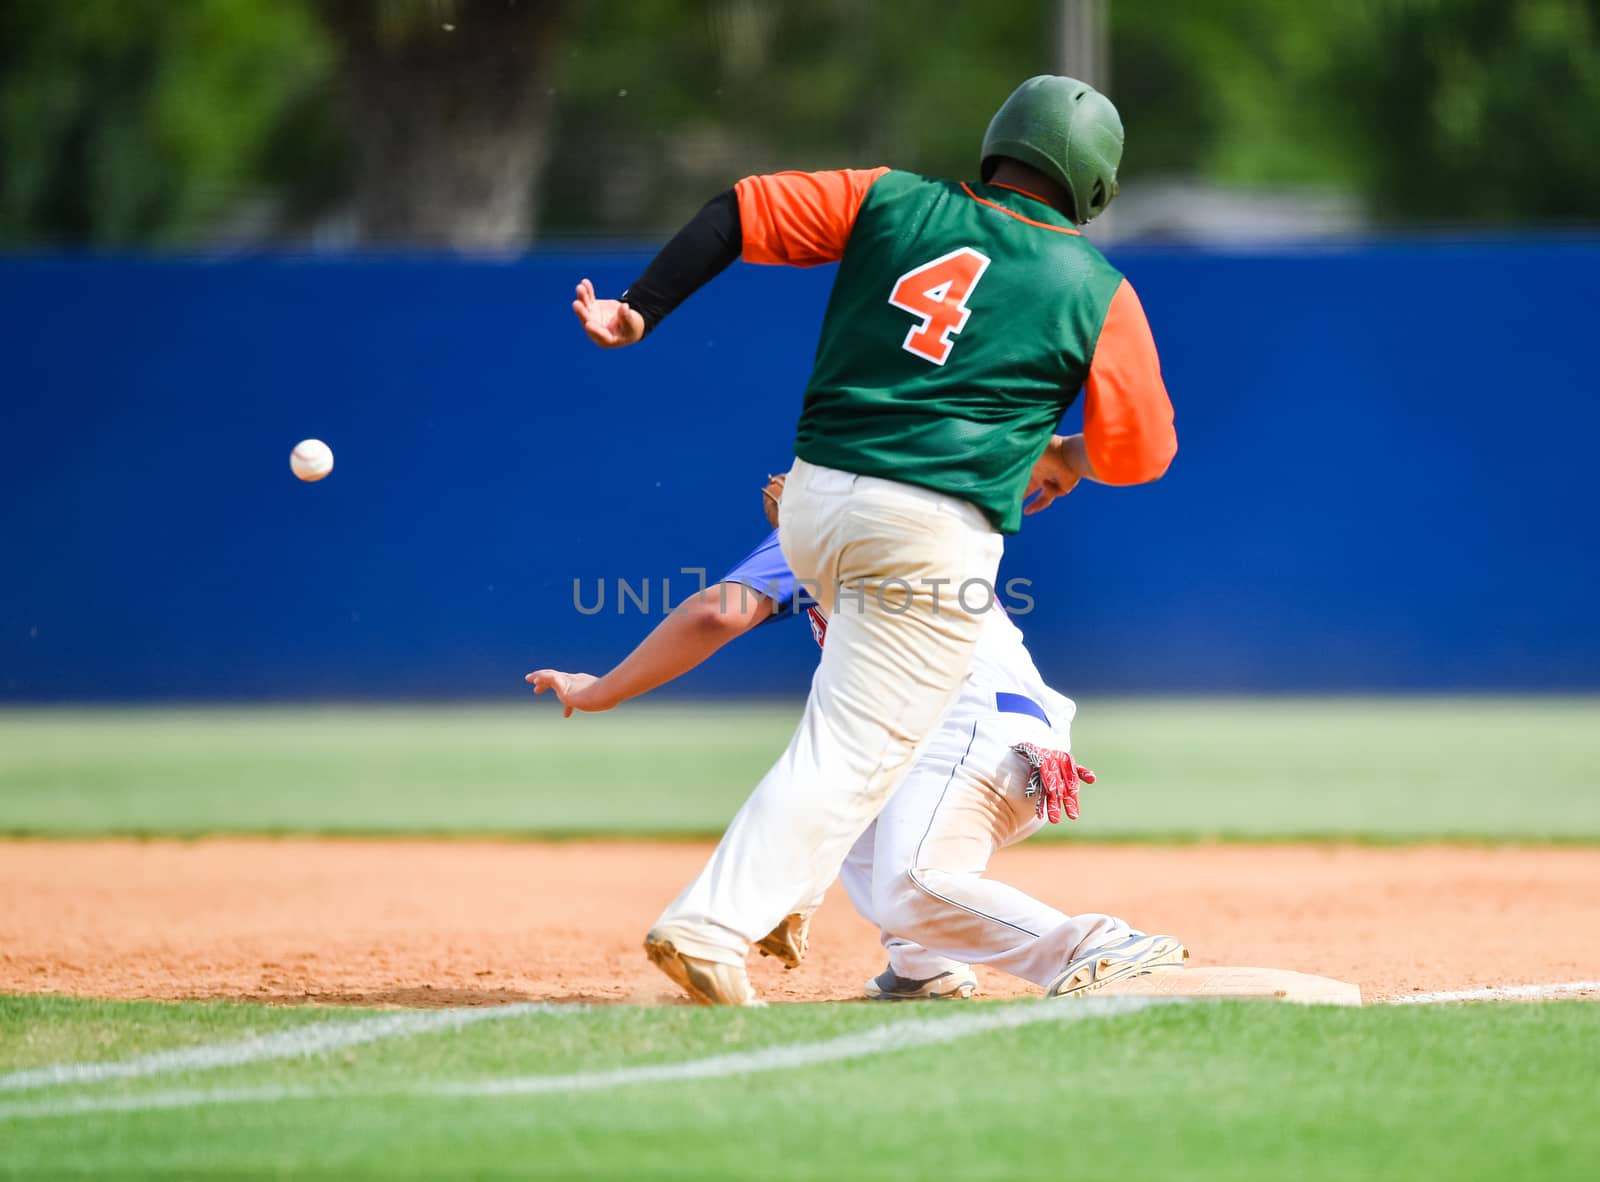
<point>765,570</point>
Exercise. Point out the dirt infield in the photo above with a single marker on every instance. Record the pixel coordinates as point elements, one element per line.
<point>433,923</point>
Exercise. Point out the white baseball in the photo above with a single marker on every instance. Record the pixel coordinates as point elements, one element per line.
<point>311,459</point>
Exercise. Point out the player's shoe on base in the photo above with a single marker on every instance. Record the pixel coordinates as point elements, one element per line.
<point>788,940</point>
<point>709,982</point>
<point>889,986</point>
<point>1131,957</point>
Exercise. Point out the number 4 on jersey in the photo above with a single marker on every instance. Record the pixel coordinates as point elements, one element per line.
<point>937,292</point>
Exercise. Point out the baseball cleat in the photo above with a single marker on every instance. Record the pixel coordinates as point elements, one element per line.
<point>950,986</point>
<point>709,982</point>
<point>1133,956</point>
<point>788,940</point>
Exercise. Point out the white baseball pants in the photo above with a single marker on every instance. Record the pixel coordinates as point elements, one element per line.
<point>890,563</point>
<point>918,873</point>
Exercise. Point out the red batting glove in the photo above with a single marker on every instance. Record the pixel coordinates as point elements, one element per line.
<point>1054,781</point>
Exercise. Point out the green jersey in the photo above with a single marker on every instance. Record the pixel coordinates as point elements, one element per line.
<point>963,322</point>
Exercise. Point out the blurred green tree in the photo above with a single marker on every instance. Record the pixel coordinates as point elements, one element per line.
<point>1433,111</point>
<point>1471,111</point>
<point>663,103</point>
<point>1229,90</point>
<point>124,122</point>
<point>448,106</point>
<point>469,122</point>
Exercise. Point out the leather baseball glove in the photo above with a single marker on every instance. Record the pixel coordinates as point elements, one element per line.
<point>771,495</point>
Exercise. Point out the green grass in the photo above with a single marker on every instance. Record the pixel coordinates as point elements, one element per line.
<point>1205,1091</point>
<point>1374,769</point>
<point>39,1031</point>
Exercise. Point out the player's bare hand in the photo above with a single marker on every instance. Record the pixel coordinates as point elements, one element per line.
<point>610,324</point>
<point>1054,475</point>
<point>576,690</point>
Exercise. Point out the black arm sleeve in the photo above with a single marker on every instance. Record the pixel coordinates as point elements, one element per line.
<point>697,254</point>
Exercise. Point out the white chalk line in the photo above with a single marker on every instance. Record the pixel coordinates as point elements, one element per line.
<point>878,1040</point>
<point>298,1042</point>
<point>1497,993</point>
<point>322,1037</point>
<point>896,1036</point>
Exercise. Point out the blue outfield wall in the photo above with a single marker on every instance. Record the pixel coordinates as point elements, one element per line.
<point>1385,477</point>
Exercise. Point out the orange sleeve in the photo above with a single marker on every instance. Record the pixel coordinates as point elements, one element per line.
<point>801,218</point>
<point>1127,416</point>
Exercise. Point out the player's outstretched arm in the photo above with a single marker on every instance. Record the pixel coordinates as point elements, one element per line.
<point>695,256</point>
<point>799,219</point>
<point>697,627</point>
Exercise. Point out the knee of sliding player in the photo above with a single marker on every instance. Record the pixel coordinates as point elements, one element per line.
<point>911,905</point>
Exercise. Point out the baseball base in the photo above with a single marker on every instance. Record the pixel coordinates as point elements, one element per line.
<point>1235,982</point>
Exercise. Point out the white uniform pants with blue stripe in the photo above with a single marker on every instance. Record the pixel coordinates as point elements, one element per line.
<point>919,872</point>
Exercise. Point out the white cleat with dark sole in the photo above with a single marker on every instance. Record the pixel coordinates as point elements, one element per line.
<point>1132,957</point>
<point>887,986</point>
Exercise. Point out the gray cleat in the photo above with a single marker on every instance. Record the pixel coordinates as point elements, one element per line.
<point>887,986</point>
<point>1133,956</point>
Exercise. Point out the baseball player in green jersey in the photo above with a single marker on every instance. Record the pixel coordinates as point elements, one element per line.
<point>964,319</point>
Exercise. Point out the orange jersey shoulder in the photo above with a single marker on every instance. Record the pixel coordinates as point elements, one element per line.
<point>801,219</point>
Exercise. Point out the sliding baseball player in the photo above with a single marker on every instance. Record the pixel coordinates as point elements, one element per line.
<point>964,319</point>
<point>997,768</point>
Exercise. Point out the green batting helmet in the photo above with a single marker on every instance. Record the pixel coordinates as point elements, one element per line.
<point>1066,129</point>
